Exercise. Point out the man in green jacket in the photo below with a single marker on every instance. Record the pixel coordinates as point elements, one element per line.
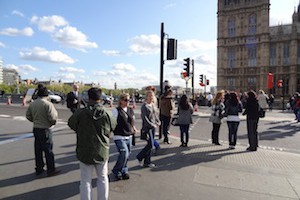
<point>93,125</point>
<point>43,115</point>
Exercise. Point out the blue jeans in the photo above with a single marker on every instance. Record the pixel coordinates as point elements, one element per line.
<point>184,130</point>
<point>145,153</point>
<point>43,143</point>
<point>124,148</point>
<point>233,128</point>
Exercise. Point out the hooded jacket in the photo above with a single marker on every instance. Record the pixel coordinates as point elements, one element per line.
<point>93,125</point>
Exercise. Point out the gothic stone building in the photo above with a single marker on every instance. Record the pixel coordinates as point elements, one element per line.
<point>249,49</point>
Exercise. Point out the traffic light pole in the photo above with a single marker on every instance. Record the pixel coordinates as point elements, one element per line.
<point>204,79</point>
<point>162,37</point>
<point>283,87</point>
<point>193,75</point>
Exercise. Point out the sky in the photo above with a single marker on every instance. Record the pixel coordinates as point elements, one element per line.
<point>116,41</point>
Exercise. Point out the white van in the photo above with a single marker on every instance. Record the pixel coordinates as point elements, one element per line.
<point>53,97</point>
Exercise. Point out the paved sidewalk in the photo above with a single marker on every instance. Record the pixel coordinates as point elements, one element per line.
<point>205,171</point>
<point>200,171</point>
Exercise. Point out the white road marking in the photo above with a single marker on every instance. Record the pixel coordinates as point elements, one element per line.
<point>5,116</point>
<point>27,135</point>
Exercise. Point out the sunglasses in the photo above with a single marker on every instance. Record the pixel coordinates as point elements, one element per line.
<point>126,100</point>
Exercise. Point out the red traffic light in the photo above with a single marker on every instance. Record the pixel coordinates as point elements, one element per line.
<point>183,74</point>
<point>207,82</point>
<point>279,83</point>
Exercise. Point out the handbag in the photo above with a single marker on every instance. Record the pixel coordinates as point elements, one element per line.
<point>214,119</point>
<point>174,121</point>
<point>144,134</point>
<point>261,113</point>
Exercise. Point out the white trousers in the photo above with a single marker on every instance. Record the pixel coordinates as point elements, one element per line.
<point>86,172</point>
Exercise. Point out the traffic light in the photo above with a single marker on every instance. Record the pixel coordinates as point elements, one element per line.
<point>201,79</point>
<point>207,82</point>
<point>279,83</point>
<point>187,68</point>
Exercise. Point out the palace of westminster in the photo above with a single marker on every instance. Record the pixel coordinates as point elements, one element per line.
<point>249,49</point>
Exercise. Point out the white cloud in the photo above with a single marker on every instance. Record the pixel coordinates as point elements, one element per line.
<point>28,68</point>
<point>204,60</point>
<point>71,70</point>
<point>124,67</point>
<point>117,73</point>
<point>41,54</point>
<point>16,12</point>
<point>22,69</point>
<point>111,52</point>
<point>12,66</point>
<point>72,38</point>
<point>132,80</point>
<point>100,73</point>
<point>110,73</point>
<point>171,5</point>
<point>65,77</point>
<point>83,77</point>
<point>196,45</point>
<point>49,23</point>
<point>2,45</point>
<point>16,32</point>
<point>145,44</point>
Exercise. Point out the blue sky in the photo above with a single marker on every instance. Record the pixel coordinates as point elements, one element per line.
<point>112,41</point>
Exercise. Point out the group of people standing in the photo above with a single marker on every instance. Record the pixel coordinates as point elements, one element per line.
<point>228,104</point>
<point>93,125</point>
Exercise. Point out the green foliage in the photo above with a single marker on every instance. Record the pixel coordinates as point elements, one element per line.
<point>12,89</point>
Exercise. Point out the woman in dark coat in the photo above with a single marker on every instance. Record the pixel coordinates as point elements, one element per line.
<point>251,111</point>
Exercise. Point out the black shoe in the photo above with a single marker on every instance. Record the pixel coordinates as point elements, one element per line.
<point>250,149</point>
<point>118,177</point>
<point>39,172</point>
<point>217,143</point>
<point>182,145</point>
<point>125,176</point>
<point>53,173</point>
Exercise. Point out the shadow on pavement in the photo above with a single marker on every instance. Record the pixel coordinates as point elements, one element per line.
<point>183,157</point>
<point>57,192</point>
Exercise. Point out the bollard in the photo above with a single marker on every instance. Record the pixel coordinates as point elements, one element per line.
<point>9,100</point>
<point>134,104</point>
<point>196,107</point>
<point>24,102</point>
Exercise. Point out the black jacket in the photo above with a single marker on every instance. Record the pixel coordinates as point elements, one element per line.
<point>124,122</point>
<point>251,110</point>
<point>70,100</point>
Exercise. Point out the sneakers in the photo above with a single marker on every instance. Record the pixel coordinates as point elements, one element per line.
<point>140,163</point>
<point>231,147</point>
<point>151,165</point>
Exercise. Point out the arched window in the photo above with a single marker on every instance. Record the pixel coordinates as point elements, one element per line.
<point>231,27</point>
<point>252,56</point>
<point>252,25</point>
<point>231,58</point>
